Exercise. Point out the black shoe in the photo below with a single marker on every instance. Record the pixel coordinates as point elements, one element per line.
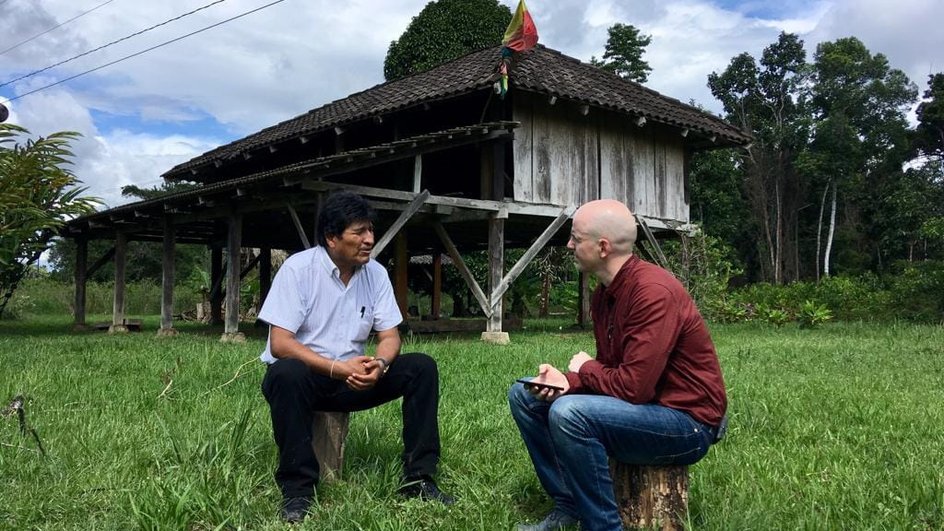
<point>425,488</point>
<point>295,510</point>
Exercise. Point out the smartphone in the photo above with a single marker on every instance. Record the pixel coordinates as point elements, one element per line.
<point>530,383</point>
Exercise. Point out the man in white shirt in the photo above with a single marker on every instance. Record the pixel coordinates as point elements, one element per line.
<point>323,304</point>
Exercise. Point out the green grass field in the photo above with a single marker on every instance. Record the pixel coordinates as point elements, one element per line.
<point>836,428</point>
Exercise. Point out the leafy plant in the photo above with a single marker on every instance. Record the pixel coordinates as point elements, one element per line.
<point>38,193</point>
<point>812,314</point>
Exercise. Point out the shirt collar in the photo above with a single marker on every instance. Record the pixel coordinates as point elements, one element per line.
<point>622,276</point>
<point>322,256</point>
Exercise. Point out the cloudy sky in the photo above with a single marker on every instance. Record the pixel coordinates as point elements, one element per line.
<point>142,116</point>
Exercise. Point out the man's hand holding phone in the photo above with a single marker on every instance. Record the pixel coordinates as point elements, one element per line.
<point>548,385</point>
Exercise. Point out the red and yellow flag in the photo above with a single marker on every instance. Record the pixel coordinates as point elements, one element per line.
<point>521,34</point>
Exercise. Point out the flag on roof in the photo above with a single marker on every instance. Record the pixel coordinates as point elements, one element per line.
<point>521,34</point>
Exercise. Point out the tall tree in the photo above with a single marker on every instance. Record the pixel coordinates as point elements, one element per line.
<point>930,130</point>
<point>38,193</point>
<point>623,54</point>
<point>445,30</point>
<point>769,101</point>
<point>861,133</point>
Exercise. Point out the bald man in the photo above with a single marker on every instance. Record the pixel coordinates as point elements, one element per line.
<point>654,395</point>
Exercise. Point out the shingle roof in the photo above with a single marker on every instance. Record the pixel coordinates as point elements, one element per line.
<point>541,70</point>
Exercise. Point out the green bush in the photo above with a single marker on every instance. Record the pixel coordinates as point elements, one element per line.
<point>44,296</point>
<point>703,264</point>
<point>917,292</point>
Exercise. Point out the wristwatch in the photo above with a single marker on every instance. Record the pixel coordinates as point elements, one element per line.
<point>386,365</point>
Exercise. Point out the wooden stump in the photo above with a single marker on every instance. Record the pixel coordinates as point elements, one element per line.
<point>328,434</point>
<point>651,497</point>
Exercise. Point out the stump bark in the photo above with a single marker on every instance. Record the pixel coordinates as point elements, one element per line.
<point>328,435</point>
<point>651,497</point>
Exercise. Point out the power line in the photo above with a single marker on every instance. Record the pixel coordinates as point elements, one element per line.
<point>201,30</point>
<point>83,54</point>
<point>15,46</point>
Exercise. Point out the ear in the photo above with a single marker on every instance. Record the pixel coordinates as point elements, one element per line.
<point>332,241</point>
<point>605,247</point>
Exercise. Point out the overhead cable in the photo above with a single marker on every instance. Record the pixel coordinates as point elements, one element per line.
<point>17,45</point>
<point>83,54</point>
<point>201,30</point>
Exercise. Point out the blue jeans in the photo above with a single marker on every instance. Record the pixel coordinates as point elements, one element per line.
<point>571,439</point>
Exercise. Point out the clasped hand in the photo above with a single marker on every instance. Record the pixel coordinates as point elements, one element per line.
<point>359,373</point>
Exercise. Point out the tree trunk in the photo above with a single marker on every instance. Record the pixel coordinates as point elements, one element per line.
<point>545,295</point>
<point>832,231</point>
<point>778,235</point>
<point>819,227</point>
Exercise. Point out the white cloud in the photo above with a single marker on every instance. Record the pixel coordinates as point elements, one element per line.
<point>298,55</point>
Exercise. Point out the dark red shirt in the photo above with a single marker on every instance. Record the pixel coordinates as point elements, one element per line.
<point>652,345</point>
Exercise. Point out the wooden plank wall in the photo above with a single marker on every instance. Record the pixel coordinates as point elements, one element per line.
<point>565,158</point>
<point>555,153</point>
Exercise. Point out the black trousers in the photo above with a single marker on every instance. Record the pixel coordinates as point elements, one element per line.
<point>295,392</point>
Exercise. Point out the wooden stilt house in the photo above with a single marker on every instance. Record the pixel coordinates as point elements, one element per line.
<point>449,165</point>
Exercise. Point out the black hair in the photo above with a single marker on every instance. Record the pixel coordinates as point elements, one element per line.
<point>339,212</point>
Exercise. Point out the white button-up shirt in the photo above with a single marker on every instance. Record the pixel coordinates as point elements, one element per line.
<point>308,298</point>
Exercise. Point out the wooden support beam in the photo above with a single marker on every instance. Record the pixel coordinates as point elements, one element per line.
<point>584,109</point>
<point>233,245</point>
<point>167,281</point>
<point>102,260</point>
<point>435,301</point>
<point>511,207</point>
<point>656,250</point>
<point>552,100</point>
<point>118,307</point>
<point>250,265</point>
<point>265,273</point>
<point>298,226</point>
<point>216,282</point>
<point>532,251</point>
<point>496,265</point>
<point>399,223</point>
<point>417,173</point>
<point>463,268</point>
<point>583,299</point>
<point>81,279</point>
<point>400,263</point>
<point>640,121</point>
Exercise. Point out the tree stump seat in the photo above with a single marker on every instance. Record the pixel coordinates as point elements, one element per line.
<point>328,435</point>
<point>651,497</point>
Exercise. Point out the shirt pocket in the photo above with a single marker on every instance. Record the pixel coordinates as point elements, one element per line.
<point>365,323</point>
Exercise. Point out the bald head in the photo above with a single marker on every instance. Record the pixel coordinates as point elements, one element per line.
<point>610,220</point>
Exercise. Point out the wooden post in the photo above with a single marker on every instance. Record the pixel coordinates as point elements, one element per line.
<point>435,302</point>
<point>118,309</point>
<point>402,259</point>
<point>81,280</point>
<point>583,299</point>
<point>216,295</point>
<point>651,496</point>
<point>167,280</point>
<point>328,436</point>
<point>265,273</point>
<point>496,265</point>
<point>231,331</point>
